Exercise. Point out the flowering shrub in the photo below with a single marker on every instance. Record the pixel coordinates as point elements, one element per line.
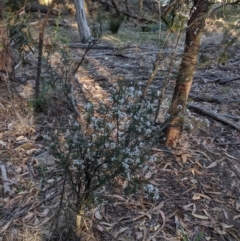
<point>115,139</point>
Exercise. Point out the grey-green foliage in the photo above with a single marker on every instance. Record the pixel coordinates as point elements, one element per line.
<point>155,27</point>
<point>186,238</point>
<point>116,139</point>
<point>13,5</point>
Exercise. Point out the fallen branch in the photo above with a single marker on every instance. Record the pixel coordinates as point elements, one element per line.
<point>236,118</point>
<point>217,79</point>
<point>212,99</point>
<point>214,116</point>
<point>34,8</point>
<point>85,46</point>
<point>227,143</point>
<point>139,18</point>
<point>224,81</point>
<point>6,187</point>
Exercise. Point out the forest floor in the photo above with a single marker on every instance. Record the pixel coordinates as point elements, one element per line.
<point>198,180</point>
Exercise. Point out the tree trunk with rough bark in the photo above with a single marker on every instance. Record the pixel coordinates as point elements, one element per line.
<point>184,80</point>
<point>6,62</point>
<point>83,28</point>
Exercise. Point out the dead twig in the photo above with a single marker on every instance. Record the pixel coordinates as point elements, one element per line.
<point>6,186</point>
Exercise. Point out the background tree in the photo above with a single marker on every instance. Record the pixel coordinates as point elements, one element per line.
<point>83,28</point>
<point>6,63</point>
<point>184,80</point>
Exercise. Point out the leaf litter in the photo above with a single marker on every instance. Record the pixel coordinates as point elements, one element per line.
<point>198,184</point>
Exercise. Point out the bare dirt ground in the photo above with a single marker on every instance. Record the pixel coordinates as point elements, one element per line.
<point>198,181</point>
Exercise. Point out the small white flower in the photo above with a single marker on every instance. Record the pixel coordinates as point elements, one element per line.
<point>148,131</point>
<point>77,162</point>
<point>141,144</point>
<point>110,126</point>
<point>138,93</point>
<point>88,106</point>
<point>121,101</point>
<point>152,159</point>
<point>46,137</point>
<point>120,133</point>
<point>76,124</point>
<point>112,145</point>
<point>191,126</point>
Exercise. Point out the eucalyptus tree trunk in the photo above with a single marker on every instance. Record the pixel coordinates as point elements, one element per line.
<point>83,28</point>
<point>6,62</point>
<point>184,80</point>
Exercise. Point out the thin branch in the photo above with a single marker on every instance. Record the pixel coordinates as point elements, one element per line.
<point>161,96</point>
<point>74,104</point>
<point>40,49</point>
<point>88,48</point>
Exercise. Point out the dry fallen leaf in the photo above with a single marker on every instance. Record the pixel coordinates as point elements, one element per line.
<point>21,139</point>
<point>28,216</point>
<point>98,215</point>
<point>226,226</point>
<point>236,217</point>
<point>158,207</point>
<point>213,164</point>
<point>225,214</point>
<point>119,197</point>
<point>125,184</point>
<point>197,196</point>
<point>139,235</point>
<point>184,157</point>
<point>45,212</point>
<point>3,143</point>
<point>51,180</point>
<point>148,175</point>
<point>237,205</point>
<point>237,168</point>
<point>199,216</point>
<point>36,221</point>
<point>115,234</point>
<point>188,206</point>
<point>107,224</point>
<point>100,228</point>
<point>232,157</point>
<point>18,170</point>
<point>219,231</point>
